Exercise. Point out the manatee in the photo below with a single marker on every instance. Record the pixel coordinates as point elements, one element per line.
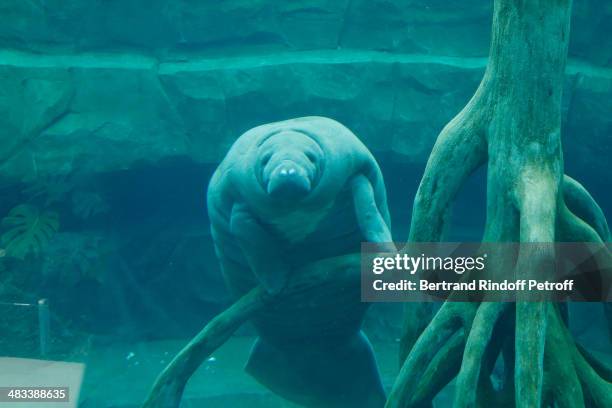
<point>287,194</point>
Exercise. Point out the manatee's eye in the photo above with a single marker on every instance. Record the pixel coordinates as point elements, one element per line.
<point>265,159</point>
<point>311,156</point>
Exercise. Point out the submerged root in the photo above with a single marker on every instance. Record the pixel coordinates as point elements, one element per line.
<point>564,375</point>
<point>528,201</point>
<point>547,368</point>
<point>459,150</point>
<point>562,386</point>
<point>437,336</point>
<point>580,202</point>
<point>441,370</point>
<point>475,349</point>
<point>168,388</point>
<point>571,379</point>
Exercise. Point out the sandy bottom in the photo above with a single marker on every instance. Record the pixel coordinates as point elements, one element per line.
<point>119,375</point>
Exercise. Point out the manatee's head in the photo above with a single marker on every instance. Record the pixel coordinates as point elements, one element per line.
<point>290,165</point>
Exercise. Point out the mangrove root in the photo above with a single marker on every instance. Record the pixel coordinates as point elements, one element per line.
<point>511,125</point>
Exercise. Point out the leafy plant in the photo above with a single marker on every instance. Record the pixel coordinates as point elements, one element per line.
<point>29,230</point>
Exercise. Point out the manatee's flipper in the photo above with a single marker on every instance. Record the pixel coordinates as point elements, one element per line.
<point>261,250</point>
<point>316,374</point>
<point>371,222</point>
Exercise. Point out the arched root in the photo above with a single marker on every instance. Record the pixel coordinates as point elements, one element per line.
<point>441,370</point>
<point>459,150</point>
<point>561,381</point>
<point>416,317</point>
<point>583,205</point>
<point>603,370</point>
<point>477,342</point>
<point>571,228</point>
<point>168,388</point>
<point>566,378</point>
<point>524,75</point>
<point>570,377</point>
<point>451,317</point>
<point>598,389</point>
<point>548,366</point>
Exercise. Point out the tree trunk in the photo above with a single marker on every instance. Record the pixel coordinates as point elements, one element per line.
<point>511,124</point>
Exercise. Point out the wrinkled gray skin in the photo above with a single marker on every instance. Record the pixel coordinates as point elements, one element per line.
<point>286,194</point>
<point>291,191</point>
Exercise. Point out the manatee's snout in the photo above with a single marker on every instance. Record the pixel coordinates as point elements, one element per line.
<point>289,181</point>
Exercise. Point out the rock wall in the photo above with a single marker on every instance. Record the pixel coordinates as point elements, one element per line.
<point>100,85</point>
<point>165,27</point>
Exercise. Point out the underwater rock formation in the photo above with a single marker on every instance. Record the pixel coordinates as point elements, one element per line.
<point>200,74</point>
<point>164,26</point>
<point>71,113</point>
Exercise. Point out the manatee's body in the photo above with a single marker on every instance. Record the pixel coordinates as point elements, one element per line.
<point>288,194</point>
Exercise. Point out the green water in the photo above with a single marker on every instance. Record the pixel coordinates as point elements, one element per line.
<point>115,114</point>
